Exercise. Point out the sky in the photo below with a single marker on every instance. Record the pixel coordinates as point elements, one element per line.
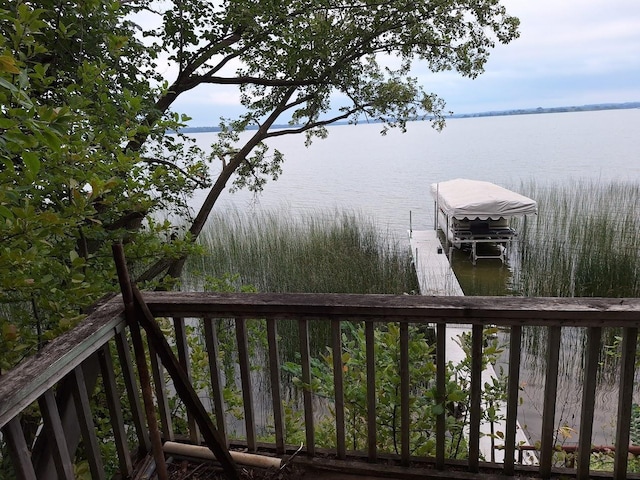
<point>570,52</point>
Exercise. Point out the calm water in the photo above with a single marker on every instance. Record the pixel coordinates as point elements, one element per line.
<point>388,178</point>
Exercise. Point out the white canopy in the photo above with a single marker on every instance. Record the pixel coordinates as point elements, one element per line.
<point>472,199</point>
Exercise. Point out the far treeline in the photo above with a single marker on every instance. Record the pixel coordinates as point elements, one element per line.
<point>519,111</point>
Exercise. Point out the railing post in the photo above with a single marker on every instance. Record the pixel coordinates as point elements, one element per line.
<point>336,344</point>
<point>276,389</point>
<point>372,444</point>
<point>515,343</point>
<point>549,407</point>
<point>305,359</point>
<point>405,388</point>
<point>625,401</point>
<point>441,389</point>
<point>245,379</point>
<point>475,411</point>
<point>588,401</point>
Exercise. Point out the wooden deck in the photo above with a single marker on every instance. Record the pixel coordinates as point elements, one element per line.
<point>63,375</point>
<point>434,272</point>
<point>436,277</point>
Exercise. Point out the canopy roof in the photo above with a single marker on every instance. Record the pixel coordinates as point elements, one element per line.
<point>461,198</point>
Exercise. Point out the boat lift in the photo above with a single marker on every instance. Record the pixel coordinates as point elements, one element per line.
<point>472,212</point>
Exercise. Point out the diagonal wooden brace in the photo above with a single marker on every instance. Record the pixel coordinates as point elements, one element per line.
<point>181,383</point>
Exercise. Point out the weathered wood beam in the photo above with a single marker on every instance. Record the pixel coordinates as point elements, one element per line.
<point>500,311</point>
<point>20,454</point>
<point>245,379</point>
<point>305,361</point>
<point>338,388</point>
<point>276,387</point>
<point>115,412</point>
<point>181,383</point>
<point>211,341</point>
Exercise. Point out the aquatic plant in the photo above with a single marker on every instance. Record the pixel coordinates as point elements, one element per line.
<point>334,252</point>
<point>585,241</point>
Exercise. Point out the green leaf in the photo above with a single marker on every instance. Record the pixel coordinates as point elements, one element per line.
<point>32,163</point>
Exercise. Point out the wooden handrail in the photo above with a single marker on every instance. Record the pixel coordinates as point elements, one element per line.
<point>35,378</point>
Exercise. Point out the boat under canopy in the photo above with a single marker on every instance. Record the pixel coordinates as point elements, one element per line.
<point>472,211</point>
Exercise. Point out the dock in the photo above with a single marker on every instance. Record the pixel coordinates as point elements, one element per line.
<point>436,278</point>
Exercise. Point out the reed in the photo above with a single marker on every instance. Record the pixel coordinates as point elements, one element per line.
<point>584,242</point>
<point>337,252</point>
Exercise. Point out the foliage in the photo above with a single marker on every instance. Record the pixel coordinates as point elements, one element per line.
<point>424,404</point>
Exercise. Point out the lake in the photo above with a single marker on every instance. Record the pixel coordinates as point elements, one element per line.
<point>387,178</point>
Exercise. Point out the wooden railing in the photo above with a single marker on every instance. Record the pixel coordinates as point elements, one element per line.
<point>63,375</point>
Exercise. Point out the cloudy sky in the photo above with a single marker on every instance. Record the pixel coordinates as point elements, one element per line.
<point>570,52</point>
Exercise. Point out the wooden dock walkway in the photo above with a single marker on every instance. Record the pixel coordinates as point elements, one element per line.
<point>436,277</point>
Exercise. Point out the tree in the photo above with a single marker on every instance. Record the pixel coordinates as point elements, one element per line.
<point>84,116</point>
<point>290,59</point>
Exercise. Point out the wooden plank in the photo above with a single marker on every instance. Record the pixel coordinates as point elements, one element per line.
<point>405,412</point>
<point>549,405</point>
<point>475,397</point>
<point>115,412</point>
<point>22,385</point>
<point>160,387</point>
<point>433,270</point>
<point>55,434</point>
<point>372,428</point>
<point>305,361</point>
<point>132,315</point>
<point>441,393</point>
<point>245,379</point>
<point>211,341</point>
<point>276,388</point>
<point>133,392</point>
<point>183,357</point>
<point>42,453</point>
<point>625,402</point>
<point>20,455</point>
<point>507,310</point>
<point>336,345</point>
<point>590,381</point>
<point>513,394</point>
<point>87,427</point>
<point>184,388</point>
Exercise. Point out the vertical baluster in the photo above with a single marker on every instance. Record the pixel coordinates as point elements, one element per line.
<point>211,341</point>
<point>549,407</point>
<point>20,455</point>
<point>475,399</point>
<point>513,393</point>
<point>276,387</point>
<point>133,392</point>
<point>160,384</point>
<point>245,378</point>
<point>405,413</point>
<point>115,411</point>
<point>55,434</point>
<point>336,344</point>
<point>588,401</point>
<point>625,401</point>
<point>305,359</point>
<point>372,444</point>
<point>85,420</point>
<point>185,362</point>
<point>441,392</point>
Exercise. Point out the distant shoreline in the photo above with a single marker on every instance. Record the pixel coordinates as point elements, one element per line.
<point>520,111</point>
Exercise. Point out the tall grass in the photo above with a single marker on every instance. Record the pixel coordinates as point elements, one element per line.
<point>340,252</point>
<point>584,242</point>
